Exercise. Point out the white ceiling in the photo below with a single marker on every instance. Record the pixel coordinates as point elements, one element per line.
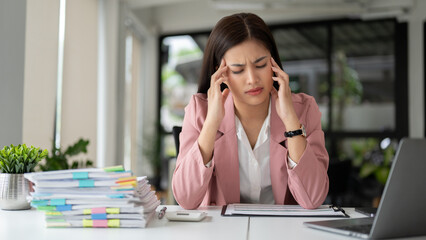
<point>169,16</point>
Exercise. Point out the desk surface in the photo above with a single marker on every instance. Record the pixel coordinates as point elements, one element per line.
<point>29,224</point>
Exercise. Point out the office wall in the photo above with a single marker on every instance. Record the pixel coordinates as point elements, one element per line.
<point>41,55</point>
<point>12,61</point>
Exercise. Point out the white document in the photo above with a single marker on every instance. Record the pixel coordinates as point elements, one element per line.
<point>281,210</point>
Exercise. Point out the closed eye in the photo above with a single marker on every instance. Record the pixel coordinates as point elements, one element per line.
<point>237,72</point>
<point>262,66</point>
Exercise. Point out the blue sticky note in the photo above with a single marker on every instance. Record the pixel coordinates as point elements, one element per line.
<point>64,208</point>
<point>116,196</point>
<point>57,202</point>
<point>99,216</point>
<point>80,175</point>
<point>86,183</point>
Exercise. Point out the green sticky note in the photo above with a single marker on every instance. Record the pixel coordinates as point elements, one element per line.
<point>114,169</point>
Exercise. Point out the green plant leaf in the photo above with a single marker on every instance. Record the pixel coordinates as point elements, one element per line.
<point>59,160</point>
<point>382,174</point>
<point>78,147</point>
<point>367,169</point>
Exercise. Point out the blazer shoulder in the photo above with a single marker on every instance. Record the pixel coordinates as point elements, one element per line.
<point>303,98</point>
<point>198,101</point>
<point>196,110</point>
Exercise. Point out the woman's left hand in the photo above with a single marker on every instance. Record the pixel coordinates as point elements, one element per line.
<point>284,103</point>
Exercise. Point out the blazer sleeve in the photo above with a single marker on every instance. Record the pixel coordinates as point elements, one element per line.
<point>308,181</point>
<point>191,177</point>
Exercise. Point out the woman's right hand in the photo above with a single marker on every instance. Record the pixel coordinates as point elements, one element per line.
<point>216,98</point>
<point>215,112</point>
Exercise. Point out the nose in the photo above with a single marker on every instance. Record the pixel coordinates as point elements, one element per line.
<point>251,76</point>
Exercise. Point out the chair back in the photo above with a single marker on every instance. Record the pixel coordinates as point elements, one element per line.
<point>176,131</point>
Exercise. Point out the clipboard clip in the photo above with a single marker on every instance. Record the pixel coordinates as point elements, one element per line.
<point>337,208</point>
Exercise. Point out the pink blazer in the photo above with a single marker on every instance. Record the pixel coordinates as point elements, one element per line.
<point>195,185</point>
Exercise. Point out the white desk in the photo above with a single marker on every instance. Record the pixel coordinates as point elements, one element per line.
<point>30,224</point>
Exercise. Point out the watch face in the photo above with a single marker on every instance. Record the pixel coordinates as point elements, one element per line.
<point>303,131</point>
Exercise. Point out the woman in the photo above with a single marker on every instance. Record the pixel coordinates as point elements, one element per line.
<point>245,136</point>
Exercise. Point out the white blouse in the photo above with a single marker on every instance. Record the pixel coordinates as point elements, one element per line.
<point>255,177</point>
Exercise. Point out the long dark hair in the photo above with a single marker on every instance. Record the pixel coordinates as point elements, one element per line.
<point>229,32</point>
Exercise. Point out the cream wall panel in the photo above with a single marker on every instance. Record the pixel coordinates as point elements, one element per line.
<point>41,57</point>
<point>79,106</point>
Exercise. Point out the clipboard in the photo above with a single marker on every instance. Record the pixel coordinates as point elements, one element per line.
<point>272,210</point>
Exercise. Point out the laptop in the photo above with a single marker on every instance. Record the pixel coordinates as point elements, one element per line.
<point>402,209</point>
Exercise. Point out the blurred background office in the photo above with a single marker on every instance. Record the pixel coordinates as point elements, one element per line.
<point>119,73</point>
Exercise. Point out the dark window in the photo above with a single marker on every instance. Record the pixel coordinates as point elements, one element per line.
<point>357,72</point>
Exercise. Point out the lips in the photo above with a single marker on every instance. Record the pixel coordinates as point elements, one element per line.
<point>255,91</point>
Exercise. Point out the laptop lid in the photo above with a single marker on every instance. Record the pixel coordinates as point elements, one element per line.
<point>402,209</point>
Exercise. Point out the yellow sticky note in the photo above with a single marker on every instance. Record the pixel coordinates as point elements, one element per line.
<point>53,213</point>
<point>87,223</point>
<point>113,210</point>
<point>114,223</point>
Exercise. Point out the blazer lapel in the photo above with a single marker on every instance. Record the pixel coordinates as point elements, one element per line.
<point>278,168</point>
<point>226,155</point>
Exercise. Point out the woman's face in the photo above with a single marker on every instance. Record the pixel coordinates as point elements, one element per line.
<point>250,73</point>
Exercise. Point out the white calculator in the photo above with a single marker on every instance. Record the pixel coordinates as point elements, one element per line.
<point>186,216</point>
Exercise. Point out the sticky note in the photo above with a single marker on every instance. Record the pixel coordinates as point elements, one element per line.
<point>116,196</point>
<point>100,223</point>
<point>87,223</point>
<point>53,213</point>
<point>99,216</point>
<point>57,202</point>
<point>47,208</point>
<point>114,223</point>
<point>80,175</point>
<point>114,169</point>
<point>36,203</point>
<point>86,183</point>
<point>113,210</point>
<point>99,210</point>
<point>64,208</point>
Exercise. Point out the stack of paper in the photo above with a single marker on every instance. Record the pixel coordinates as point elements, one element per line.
<point>109,197</point>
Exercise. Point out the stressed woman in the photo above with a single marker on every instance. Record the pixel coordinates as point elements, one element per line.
<point>246,138</point>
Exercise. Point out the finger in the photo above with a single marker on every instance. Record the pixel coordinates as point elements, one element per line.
<point>219,73</point>
<point>219,81</point>
<point>280,73</point>
<point>279,80</point>
<point>274,63</point>
<point>225,94</point>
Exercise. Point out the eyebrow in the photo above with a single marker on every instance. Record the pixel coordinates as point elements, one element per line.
<point>256,61</point>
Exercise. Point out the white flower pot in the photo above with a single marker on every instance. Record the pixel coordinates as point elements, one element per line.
<point>14,189</point>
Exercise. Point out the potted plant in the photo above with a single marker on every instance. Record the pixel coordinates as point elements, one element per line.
<point>14,162</point>
<point>60,159</point>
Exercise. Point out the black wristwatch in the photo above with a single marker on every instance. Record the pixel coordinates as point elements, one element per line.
<point>297,132</point>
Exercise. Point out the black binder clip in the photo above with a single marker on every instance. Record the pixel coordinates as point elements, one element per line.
<point>337,209</point>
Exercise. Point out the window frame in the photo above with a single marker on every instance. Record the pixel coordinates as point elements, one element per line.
<point>400,88</point>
